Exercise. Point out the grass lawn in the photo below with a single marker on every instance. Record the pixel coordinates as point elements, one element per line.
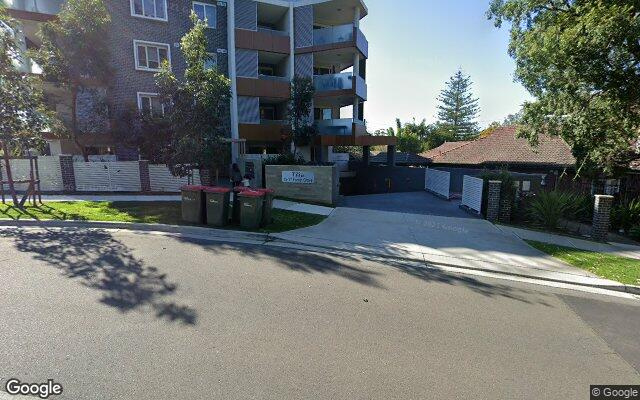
<point>141,212</point>
<point>620,269</point>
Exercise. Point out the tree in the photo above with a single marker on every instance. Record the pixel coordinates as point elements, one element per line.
<point>75,52</point>
<point>195,108</point>
<point>438,134</point>
<point>409,142</point>
<point>23,117</point>
<point>299,112</point>
<point>580,60</point>
<point>459,108</point>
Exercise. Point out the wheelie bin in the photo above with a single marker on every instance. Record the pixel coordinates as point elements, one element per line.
<point>251,203</point>
<point>193,204</point>
<point>217,199</point>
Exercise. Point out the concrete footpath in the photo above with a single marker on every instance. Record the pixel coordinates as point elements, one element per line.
<point>280,204</point>
<point>617,249</point>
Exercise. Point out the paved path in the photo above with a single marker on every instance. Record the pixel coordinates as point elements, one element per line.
<point>280,204</point>
<point>618,249</point>
<point>121,315</point>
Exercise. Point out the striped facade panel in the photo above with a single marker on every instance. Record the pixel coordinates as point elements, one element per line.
<point>246,63</point>
<point>246,14</point>
<point>304,65</point>
<point>303,23</point>
<point>248,110</point>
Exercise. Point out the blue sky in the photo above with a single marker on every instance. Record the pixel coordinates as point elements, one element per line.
<point>416,45</point>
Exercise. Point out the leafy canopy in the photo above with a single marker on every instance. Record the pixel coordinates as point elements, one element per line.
<point>195,108</point>
<point>23,117</point>
<point>299,111</point>
<point>75,46</point>
<point>580,59</point>
<point>458,107</point>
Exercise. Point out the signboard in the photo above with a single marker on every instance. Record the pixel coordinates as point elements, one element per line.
<point>298,177</point>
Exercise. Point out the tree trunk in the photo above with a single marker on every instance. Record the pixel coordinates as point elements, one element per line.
<point>12,188</point>
<point>74,122</point>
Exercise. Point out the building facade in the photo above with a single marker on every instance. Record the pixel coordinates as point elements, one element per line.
<point>260,45</point>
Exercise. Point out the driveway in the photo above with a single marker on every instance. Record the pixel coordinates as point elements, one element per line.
<point>422,203</point>
<point>421,226</point>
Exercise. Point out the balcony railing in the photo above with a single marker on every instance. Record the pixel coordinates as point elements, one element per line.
<point>274,78</point>
<point>341,34</point>
<point>338,127</point>
<point>344,81</point>
<point>272,31</point>
<point>37,6</point>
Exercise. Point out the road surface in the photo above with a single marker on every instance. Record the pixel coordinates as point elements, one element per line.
<point>123,315</point>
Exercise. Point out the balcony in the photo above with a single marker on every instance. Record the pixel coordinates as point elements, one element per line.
<point>341,127</point>
<point>341,36</point>
<point>50,7</point>
<point>339,82</point>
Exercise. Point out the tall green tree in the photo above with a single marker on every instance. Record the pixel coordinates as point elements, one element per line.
<point>299,111</point>
<point>195,108</point>
<point>458,107</point>
<point>580,59</point>
<point>23,117</point>
<point>75,52</point>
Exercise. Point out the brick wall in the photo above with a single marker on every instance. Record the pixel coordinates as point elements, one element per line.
<point>127,81</point>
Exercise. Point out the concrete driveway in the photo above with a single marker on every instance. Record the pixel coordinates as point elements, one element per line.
<point>433,230</point>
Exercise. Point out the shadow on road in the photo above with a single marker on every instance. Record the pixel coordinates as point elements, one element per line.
<point>352,267</point>
<point>101,262</point>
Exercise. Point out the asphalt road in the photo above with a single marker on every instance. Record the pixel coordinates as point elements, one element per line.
<point>138,316</point>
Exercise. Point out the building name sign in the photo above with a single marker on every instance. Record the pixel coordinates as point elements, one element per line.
<point>299,177</point>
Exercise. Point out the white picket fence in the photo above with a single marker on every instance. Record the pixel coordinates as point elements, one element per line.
<point>120,176</point>
<point>48,168</point>
<point>472,193</point>
<point>438,182</point>
<point>163,181</point>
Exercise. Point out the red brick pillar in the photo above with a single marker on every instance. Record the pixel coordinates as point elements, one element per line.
<point>68,174</point>
<point>145,178</point>
<point>601,217</point>
<point>493,201</point>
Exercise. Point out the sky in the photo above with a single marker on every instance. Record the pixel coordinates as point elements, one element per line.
<point>416,45</point>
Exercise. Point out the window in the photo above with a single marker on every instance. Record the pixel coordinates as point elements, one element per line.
<point>206,12</point>
<point>149,56</point>
<point>266,70</point>
<point>153,9</point>
<point>149,104</point>
<point>212,61</point>
<point>268,113</point>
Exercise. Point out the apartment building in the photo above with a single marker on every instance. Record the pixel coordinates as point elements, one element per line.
<point>260,45</point>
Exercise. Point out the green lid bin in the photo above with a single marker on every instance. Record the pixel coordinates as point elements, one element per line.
<point>251,209</point>
<point>217,199</point>
<point>267,210</point>
<point>193,205</point>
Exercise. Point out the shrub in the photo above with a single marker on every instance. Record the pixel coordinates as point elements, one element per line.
<point>626,215</point>
<point>549,208</point>
<point>635,233</point>
<point>285,159</point>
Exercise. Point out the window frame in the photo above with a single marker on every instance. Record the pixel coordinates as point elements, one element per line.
<point>204,5</point>
<point>166,11</point>
<point>213,56</point>
<point>137,42</point>
<point>140,95</point>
